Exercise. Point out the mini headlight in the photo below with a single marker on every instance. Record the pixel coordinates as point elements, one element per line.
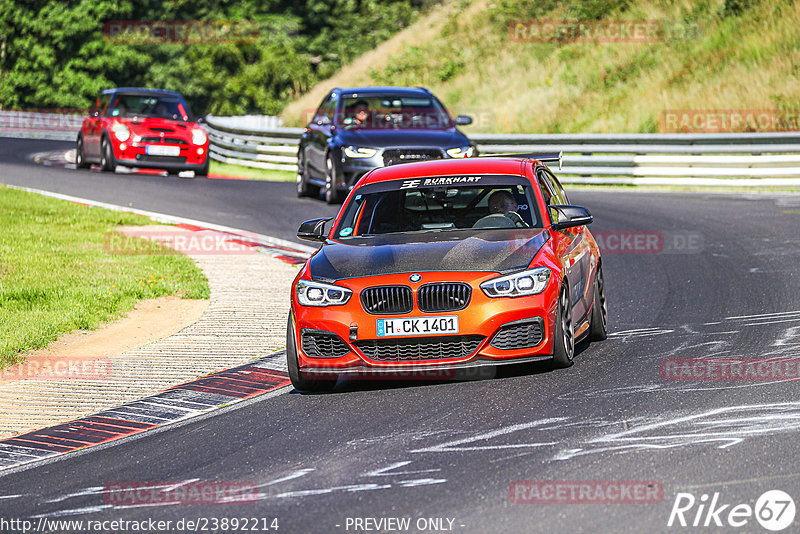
<point>359,152</point>
<point>461,152</point>
<point>318,294</point>
<point>199,136</point>
<point>520,284</point>
<point>121,132</point>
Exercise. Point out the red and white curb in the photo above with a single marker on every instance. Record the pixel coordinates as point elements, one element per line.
<point>168,407</point>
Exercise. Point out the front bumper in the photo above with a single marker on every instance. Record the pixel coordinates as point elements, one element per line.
<point>483,317</point>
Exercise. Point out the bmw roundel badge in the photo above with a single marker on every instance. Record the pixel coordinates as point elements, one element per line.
<point>415,277</point>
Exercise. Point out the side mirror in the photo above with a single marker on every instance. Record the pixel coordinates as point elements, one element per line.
<point>313,230</point>
<point>571,216</point>
<point>94,112</point>
<point>463,120</point>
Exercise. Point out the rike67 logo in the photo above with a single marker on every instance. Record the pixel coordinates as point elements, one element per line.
<point>774,510</point>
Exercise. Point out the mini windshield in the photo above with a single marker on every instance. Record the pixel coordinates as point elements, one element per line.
<point>393,111</point>
<point>159,106</point>
<point>437,208</point>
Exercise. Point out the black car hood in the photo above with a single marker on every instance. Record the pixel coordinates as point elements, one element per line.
<point>491,250</point>
<point>388,138</point>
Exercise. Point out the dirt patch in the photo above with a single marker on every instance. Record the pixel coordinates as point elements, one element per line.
<point>150,320</point>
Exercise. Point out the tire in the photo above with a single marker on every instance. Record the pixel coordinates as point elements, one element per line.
<point>598,331</point>
<point>300,382</point>
<point>107,161</point>
<point>204,170</point>
<point>80,155</point>
<point>304,189</point>
<point>564,342</point>
<point>332,195</point>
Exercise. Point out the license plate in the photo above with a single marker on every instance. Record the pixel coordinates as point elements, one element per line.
<point>162,150</point>
<point>415,326</point>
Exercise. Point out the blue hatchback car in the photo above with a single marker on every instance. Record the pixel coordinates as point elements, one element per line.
<point>357,129</point>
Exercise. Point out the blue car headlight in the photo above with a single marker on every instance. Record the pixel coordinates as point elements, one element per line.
<point>359,152</point>
<point>530,282</point>
<point>318,294</point>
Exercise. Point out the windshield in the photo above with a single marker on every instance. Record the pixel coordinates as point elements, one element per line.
<point>393,111</point>
<point>159,106</point>
<point>407,209</point>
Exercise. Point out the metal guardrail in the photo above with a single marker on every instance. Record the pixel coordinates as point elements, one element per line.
<point>732,159</point>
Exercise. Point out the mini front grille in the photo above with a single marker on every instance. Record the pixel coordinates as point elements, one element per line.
<point>160,159</point>
<point>157,140</point>
<point>443,297</point>
<point>387,299</point>
<point>407,155</point>
<point>154,129</point>
<point>320,344</point>
<point>427,348</point>
<point>519,335</point>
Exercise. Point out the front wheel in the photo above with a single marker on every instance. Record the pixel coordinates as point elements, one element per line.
<point>304,189</point>
<point>204,170</point>
<point>107,161</point>
<point>598,331</point>
<point>80,155</point>
<point>300,382</point>
<point>332,195</point>
<point>564,335</point>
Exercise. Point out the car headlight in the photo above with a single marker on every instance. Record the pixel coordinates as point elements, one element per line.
<point>359,152</point>
<point>121,132</point>
<point>461,152</point>
<point>199,136</point>
<point>317,294</point>
<point>520,284</point>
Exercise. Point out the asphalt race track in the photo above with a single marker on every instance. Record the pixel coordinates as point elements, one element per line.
<point>722,280</point>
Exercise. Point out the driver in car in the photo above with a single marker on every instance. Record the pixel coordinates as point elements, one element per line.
<point>359,112</point>
<point>503,203</point>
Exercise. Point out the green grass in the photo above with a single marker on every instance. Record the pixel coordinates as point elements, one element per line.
<point>720,54</point>
<point>56,277</point>
<point>251,173</point>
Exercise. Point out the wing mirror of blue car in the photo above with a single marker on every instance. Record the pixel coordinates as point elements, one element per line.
<point>313,230</point>
<point>571,216</point>
<point>463,120</point>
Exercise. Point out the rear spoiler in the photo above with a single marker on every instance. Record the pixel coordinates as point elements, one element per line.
<point>549,157</point>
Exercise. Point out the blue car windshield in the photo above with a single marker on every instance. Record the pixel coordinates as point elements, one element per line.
<point>428,209</point>
<point>377,112</point>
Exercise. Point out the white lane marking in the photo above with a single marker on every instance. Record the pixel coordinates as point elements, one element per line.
<point>776,314</point>
<point>172,219</point>
<point>291,476</point>
<point>93,490</point>
<point>792,320</point>
<point>323,491</point>
<point>74,511</point>
<point>2,497</point>
<point>455,445</point>
<point>384,471</point>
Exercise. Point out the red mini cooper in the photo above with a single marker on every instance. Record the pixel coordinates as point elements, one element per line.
<point>142,128</point>
<point>446,264</point>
